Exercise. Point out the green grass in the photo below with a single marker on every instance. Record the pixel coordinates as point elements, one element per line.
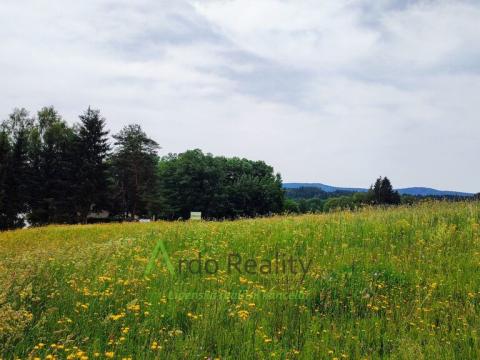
<point>400,283</point>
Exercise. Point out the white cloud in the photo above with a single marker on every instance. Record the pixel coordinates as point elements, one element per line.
<point>337,92</point>
<point>433,34</point>
<point>299,34</point>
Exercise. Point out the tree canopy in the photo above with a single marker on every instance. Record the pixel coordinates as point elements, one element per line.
<point>53,172</point>
<point>219,187</point>
<point>382,193</point>
<point>133,167</point>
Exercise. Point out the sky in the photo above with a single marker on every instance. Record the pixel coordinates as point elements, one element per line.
<point>338,92</point>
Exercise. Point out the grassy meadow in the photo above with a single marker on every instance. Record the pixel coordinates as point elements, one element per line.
<point>398,283</point>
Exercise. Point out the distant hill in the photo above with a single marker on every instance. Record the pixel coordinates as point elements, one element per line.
<point>423,191</point>
<point>416,191</point>
<point>324,187</point>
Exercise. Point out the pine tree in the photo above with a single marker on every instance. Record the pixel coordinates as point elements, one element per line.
<point>134,172</point>
<point>14,166</point>
<point>386,191</point>
<point>16,182</point>
<point>92,152</point>
<point>389,196</point>
<point>377,191</point>
<point>53,167</point>
<point>382,192</point>
<point>5,161</point>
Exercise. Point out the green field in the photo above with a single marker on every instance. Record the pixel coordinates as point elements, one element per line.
<point>399,283</point>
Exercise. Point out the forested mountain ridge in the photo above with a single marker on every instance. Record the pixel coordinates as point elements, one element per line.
<point>415,191</point>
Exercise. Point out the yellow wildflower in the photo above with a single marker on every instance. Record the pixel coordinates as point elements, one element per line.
<point>243,314</point>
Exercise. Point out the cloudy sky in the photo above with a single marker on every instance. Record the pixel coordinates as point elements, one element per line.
<point>334,91</point>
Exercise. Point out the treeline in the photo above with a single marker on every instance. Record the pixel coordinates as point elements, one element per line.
<point>51,172</point>
<point>311,200</point>
<point>217,186</point>
<point>310,192</point>
<point>380,193</point>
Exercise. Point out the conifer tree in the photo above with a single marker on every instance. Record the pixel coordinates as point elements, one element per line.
<point>5,161</point>
<point>382,192</point>
<point>54,169</point>
<point>92,150</point>
<point>14,166</point>
<point>134,173</point>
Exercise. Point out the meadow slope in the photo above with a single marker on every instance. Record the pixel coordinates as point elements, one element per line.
<point>399,283</point>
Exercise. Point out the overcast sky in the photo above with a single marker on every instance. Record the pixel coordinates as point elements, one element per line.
<point>338,92</point>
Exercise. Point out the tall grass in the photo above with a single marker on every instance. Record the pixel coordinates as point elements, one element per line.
<point>400,283</point>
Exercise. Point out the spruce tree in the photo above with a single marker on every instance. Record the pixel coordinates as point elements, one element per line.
<point>389,196</point>
<point>14,166</point>
<point>5,161</point>
<point>377,191</point>
<point>92,150</point>
<point>382,192</point>
<point>55,172</point>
